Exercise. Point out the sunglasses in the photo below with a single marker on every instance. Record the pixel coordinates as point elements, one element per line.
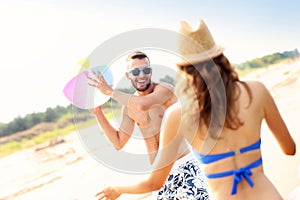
<point>136,71</point>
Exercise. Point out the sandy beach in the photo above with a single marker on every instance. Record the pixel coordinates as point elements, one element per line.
<point>68,171</point>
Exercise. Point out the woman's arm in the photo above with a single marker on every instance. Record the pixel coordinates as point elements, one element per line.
<point>170,141</point>
<point>277,124</point>
<point>153,182</point>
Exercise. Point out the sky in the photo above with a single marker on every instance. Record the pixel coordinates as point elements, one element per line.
<point>41,42</point>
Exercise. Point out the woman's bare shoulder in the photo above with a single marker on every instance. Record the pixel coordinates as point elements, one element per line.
<point>174,109</point>
<point>257,86</point>
<point>255,83</point>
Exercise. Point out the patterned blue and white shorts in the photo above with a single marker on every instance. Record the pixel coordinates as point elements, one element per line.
<point>186,181</point>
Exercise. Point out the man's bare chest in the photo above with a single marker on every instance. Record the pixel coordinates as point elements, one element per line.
<point>152,117</point>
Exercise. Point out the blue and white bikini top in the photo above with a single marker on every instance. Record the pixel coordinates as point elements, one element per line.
<point>238,174</point>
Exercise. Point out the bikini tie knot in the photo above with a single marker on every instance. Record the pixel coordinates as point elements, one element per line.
<point>239,175</point>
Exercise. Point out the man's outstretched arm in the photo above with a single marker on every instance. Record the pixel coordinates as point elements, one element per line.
<point>117,137</point>
<point>160,94</point>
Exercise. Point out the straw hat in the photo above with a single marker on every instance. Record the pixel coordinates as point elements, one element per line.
<point>196,45</point>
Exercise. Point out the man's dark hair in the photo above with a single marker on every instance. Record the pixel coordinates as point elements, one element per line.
<point>137,55</point>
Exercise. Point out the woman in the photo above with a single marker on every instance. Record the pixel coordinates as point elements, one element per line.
<point>220,116</point>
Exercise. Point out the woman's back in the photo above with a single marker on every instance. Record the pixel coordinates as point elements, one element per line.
<point>241,167</point>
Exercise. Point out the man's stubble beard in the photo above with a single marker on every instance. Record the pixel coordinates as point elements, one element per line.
<point>141,89</point>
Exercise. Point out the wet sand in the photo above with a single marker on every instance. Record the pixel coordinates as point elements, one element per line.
<point>68,171</point>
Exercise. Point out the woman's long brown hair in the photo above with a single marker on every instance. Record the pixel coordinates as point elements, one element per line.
<point>214,86</point>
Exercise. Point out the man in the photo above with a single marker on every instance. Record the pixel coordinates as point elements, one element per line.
<point>145,109</point>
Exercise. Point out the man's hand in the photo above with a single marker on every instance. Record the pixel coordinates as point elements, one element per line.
<point>99,82</point>
<point>96,110</point>
<point>110,193</point>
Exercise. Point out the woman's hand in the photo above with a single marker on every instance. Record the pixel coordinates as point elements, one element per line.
<point>99,82</point>
<point>108,193</point>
